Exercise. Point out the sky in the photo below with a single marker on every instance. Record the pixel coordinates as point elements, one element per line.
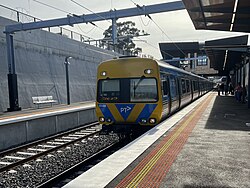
<point>175,26</point>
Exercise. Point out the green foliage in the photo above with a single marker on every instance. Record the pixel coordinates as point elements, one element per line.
<point>126,31</point>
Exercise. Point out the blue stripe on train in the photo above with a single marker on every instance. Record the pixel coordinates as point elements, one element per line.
<point>105,111</point>
<point>146,112</point>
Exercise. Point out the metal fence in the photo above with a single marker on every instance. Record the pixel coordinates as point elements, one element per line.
<point>26,18</point>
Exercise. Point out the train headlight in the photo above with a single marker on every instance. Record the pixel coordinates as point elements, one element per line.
<point>152,120</point>
<point>101,119</point>
<point>103,73</point>
<point>148,71</point>
<point>143,121</point>
<point>109,120</point>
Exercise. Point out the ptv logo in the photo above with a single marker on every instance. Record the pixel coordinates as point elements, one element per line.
<point>125,109</point>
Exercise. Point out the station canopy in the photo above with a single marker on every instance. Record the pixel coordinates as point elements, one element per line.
<point>222,15</point>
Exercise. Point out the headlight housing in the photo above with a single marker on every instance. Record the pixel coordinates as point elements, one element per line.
<point>109,120</point>
<point>152,120</point>
<point>148,71</point>
<point>102,119</point>
<point>103,73</point>
<point>143,121</point>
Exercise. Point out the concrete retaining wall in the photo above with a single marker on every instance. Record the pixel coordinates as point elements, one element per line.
<point>39,57</point>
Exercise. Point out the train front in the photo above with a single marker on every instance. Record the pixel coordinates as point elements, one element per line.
<point>128,94</point>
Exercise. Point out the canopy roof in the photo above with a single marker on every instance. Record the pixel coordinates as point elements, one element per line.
<point>222,15</point>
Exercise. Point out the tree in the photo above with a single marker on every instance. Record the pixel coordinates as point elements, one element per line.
<point>126,31</point>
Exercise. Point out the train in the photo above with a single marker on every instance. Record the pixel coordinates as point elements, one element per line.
<point>136,93</point>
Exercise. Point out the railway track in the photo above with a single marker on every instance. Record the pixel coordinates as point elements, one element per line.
<point>29,152</point>
<point>70,174</point>
<point>35,164</point>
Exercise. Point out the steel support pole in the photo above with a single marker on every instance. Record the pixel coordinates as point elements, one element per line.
<point>67,78</point>
<point>12,77</point>
<point>114,31</point>
<point>248,93</point>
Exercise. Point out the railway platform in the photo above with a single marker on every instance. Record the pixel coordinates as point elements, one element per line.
<point>20,127</point>
<point>206,144</point>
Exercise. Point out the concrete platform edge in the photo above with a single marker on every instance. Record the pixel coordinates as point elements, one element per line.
<point>104,172</point>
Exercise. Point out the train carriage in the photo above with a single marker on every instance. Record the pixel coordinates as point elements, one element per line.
<point>139,92</point>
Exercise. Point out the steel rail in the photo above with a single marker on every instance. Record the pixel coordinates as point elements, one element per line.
<point>13,150</point>
<point>57,178</point>
<point>42,153</point>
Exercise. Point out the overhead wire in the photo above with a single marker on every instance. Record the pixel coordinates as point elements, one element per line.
<point>98,15</point>
<point>51,6</point>
<point>90,10</point>
<point>61,10</point>
<point>154,47</point>
<point>138,6</point>
<point>168,37</point>
<point>111,3</point>
<point>150,18</point>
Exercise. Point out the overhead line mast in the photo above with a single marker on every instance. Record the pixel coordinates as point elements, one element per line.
<point>71,20</point>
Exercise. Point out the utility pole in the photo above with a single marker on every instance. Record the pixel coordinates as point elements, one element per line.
<point>12,77</point>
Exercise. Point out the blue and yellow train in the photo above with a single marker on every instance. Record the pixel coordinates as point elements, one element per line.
<point>134,93</point>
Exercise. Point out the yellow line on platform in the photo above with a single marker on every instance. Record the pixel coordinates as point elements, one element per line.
<point>139,177</point>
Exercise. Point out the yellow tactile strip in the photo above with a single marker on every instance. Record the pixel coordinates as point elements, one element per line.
<point>154,167</point>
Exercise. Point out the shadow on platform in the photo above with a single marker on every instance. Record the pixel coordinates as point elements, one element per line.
<point>228,114</point>
<point>196,186</point>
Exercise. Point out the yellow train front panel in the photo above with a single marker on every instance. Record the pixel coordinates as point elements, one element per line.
<point>131,113</point>
<point>129,91</point>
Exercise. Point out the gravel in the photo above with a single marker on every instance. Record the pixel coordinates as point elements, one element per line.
<point>40,170</point>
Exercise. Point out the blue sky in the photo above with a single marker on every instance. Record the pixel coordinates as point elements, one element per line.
<point>177,25</point>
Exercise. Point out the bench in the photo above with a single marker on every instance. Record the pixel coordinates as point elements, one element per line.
<point>43,100</point>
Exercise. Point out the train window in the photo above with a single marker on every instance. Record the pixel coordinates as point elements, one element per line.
<point>187,86</point>
<point>142,89</point>
<point>165,87</point>
<point>173,88</point>
<point>195,85</point>
<point>127,90</point>
<point>183,86</point>
<point>109,90</point>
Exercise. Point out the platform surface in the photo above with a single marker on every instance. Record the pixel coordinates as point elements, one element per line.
<point>31,113</point>
<point>216,153</point>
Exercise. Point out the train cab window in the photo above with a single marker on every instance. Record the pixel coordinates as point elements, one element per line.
<point>109,90</point>
<point>143,89</point>
<point>127,90</point>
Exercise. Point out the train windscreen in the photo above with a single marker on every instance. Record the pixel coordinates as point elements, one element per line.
<point>127,90</point>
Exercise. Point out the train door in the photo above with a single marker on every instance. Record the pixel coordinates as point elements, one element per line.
<point>189,90</point>
<point>192,89</point>
<point>174,94</point>
<point>195,89</point>
<point>178,90</point>
<point>199,88</point>
<point>165,95</point>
